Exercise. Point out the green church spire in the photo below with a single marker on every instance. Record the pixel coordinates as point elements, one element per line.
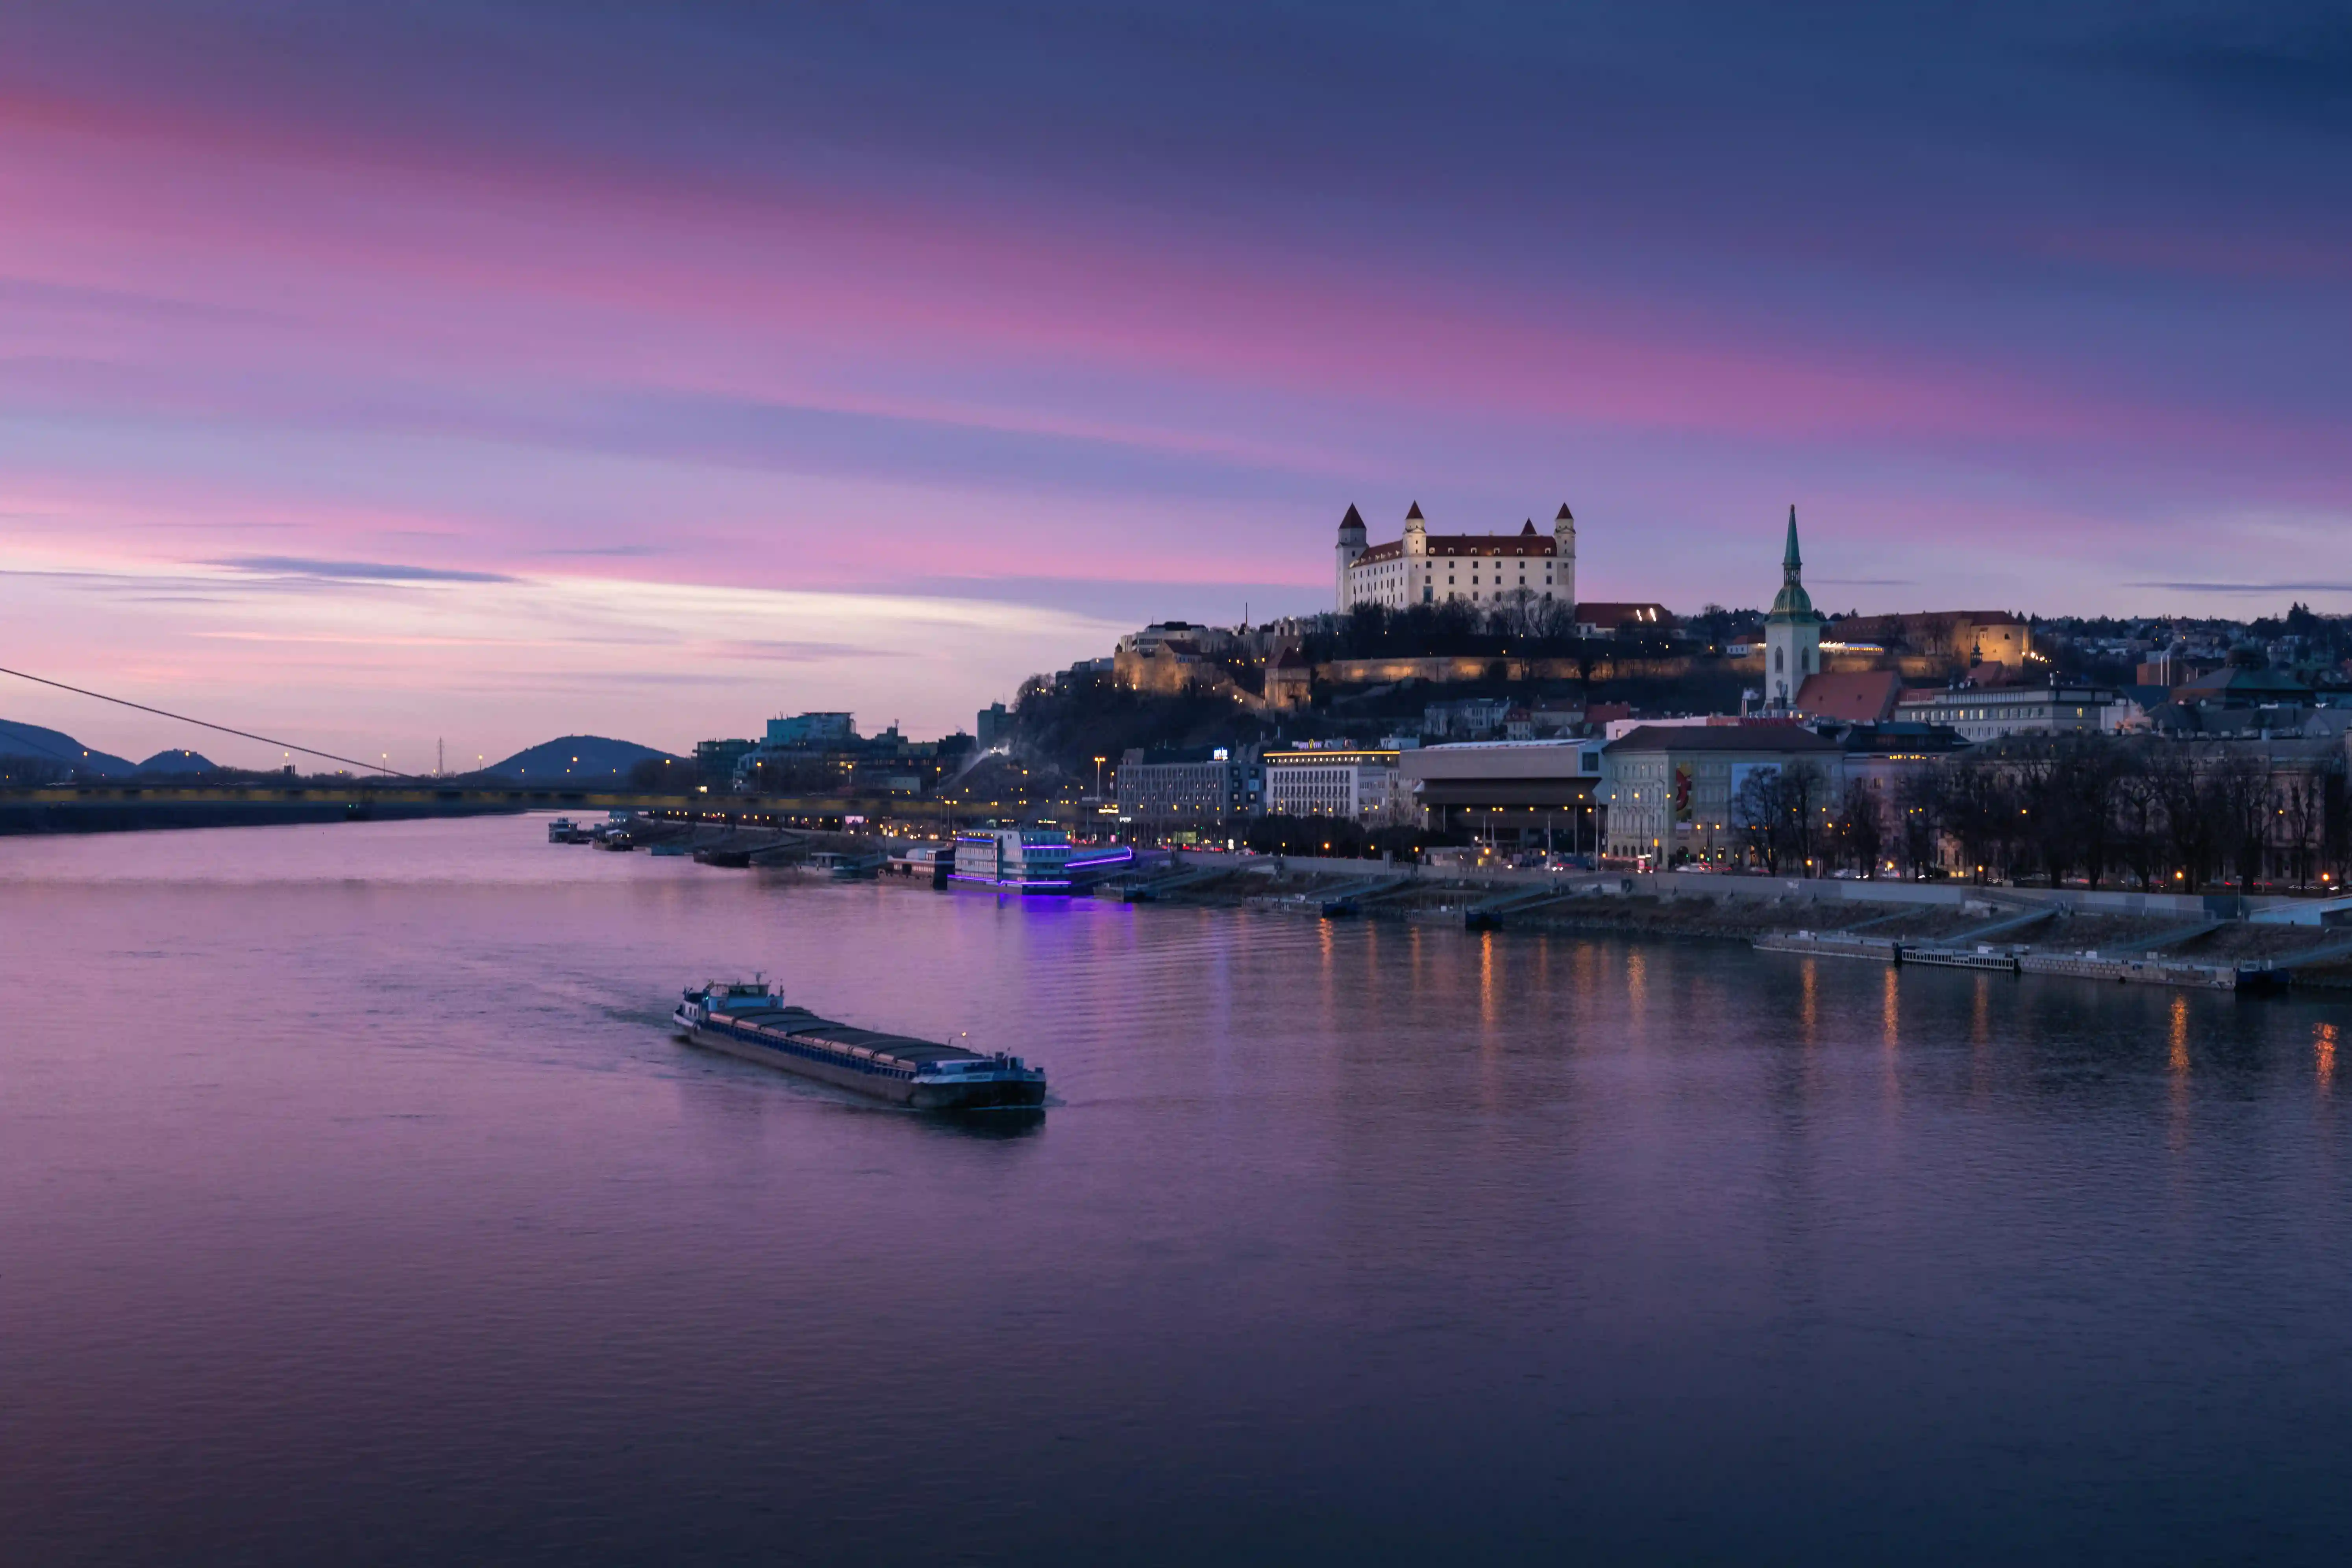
<point>1793,603</point>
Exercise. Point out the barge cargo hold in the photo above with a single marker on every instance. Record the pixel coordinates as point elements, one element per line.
<point>750,1019</point>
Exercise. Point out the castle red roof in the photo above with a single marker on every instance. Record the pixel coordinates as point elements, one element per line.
<point>1458,544</point>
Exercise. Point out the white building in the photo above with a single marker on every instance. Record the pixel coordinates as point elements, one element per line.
<point>1361,785</point>
<point>1989,712</point>
<point>1485,570</point>
<point>1792,632</point>
<point>1674,793</point>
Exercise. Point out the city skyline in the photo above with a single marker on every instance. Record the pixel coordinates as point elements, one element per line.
<point>491,373</point>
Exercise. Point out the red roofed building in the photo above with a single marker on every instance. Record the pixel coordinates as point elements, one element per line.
<point>1864,696</point>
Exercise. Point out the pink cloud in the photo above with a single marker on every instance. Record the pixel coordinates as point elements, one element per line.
<point>403,256</point>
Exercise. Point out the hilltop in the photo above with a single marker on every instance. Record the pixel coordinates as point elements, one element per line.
<point>586,758</point>
<point>179,761</point>
<point>34,743</point>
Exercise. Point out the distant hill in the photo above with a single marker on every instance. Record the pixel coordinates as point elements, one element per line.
<point>56,746</point>
<point>587,758</point>
<point>179,762</point>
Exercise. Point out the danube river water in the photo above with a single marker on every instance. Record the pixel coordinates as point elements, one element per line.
<point>357,1205</point>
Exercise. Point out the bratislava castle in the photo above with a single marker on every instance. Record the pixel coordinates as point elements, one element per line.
<point>1481,569</point>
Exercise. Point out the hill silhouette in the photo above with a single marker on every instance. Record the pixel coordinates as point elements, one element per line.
<point>591,758</point>
<point>179,762</point>
<point>56,746</point>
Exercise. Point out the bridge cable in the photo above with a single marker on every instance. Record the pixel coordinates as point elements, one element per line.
<point>200,723</point>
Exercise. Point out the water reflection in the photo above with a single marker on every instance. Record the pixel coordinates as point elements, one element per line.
<point>1487,950</point>
<point>2176,1069</point>
<point>438,1261</point>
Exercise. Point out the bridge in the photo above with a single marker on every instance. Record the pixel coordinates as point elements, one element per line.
<point>115,806</point>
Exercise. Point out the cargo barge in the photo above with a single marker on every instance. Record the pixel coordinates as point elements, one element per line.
<point>750,1019</point>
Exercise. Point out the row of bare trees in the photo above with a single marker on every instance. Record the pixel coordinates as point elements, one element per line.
<point>2147,813</point>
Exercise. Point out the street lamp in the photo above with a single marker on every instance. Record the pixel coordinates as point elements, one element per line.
<point>1098,762</point>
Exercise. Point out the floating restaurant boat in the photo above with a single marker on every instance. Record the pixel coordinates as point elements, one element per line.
<point>747,1018</point>
<point>934,861</point>
<point>1033,860</point>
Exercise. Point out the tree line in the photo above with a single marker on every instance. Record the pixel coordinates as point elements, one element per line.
<point>1521,624</point>
<point>2143,812</point>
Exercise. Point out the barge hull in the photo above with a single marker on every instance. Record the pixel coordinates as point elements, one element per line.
<point>982,1096</point>
<point>893,1091</point>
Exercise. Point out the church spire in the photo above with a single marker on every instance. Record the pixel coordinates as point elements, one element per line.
<point>1792,565</point>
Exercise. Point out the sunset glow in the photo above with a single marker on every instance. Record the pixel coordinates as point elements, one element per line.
<point>394,375</point>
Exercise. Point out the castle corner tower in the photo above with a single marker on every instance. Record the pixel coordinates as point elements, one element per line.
<point>1351,545</point>
<point>1563,534</point>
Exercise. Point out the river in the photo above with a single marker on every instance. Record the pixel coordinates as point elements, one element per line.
<point>357,1205</point>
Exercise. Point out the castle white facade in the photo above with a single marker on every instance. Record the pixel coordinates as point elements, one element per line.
<point>1484,569</point>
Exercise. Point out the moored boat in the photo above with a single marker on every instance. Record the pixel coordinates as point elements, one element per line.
<point>748,1018</point>
<point>933,861</point>
<point>1033,860</point>
<point>844,866</point>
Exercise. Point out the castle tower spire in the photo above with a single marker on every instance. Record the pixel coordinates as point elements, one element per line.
<point>1350,547</point>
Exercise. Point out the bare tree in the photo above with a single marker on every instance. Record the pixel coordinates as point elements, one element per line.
<point>2138,817</point>
<point>2302,811</point>
<point>2335,821</point>
<point>1919,818</point>
<point>2190,842</point>
<point>1981,813</point>
<point>2239,790</point>
<point>1861,831</point>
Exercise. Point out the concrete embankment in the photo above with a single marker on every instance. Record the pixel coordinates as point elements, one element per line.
<point>2217,941</point>
<point>129,811</point>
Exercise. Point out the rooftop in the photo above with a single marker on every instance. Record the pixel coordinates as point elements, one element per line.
<point>1783,738</point>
